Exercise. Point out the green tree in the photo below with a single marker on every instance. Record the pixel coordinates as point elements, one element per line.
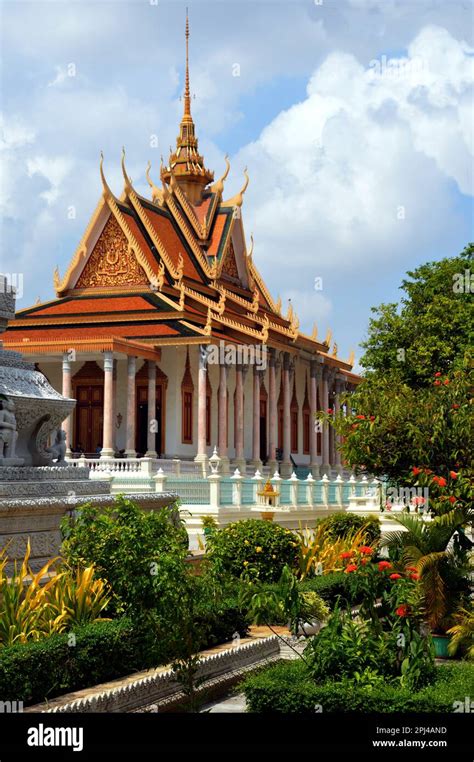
<point>432,327</point>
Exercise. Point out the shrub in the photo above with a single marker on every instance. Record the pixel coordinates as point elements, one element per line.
<point>343,524</point>
<point>253,544</point>
<point>129,547</point>
<point>286,688</point>
<point>36,671</point>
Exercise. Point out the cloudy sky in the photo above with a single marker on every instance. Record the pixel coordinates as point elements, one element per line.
<point>354,118</point>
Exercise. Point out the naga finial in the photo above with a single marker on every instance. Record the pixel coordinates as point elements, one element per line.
<point>218,186</point>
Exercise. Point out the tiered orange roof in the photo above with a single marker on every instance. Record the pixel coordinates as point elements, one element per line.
<point>171,269</point>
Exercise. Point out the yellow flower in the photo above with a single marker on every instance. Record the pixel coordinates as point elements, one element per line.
<point>246,542</point>
<point>258,549</point>
<point>273,556</point>
<point>246,563</point>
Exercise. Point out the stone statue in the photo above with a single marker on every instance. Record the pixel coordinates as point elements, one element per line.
<point>58,449</point>
<point>8,432</point>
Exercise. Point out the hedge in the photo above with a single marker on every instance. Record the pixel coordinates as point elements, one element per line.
<point>36,671</point>
<point>341,524</point>
<point>285,688</point>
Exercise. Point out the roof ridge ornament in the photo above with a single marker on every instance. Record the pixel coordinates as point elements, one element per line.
<point>238,199</point>
<point>218,186</point>
<point>156,193</point>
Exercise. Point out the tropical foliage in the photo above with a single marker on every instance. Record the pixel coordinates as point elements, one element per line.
<point>33,606</point>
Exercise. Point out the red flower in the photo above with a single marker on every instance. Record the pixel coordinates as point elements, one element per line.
<point>453,474</point>
<point>330,410</point>
<point>452,499</point>
<point>384,565</point>
<point>366,550</point>
<point>455,407</point>
<point>395,576</point>
<point>446,381</point>
<point>415,575</point>
<point>402,610</point>
<point>437,374</point>
<point>412,568</point>
<point>416,471</point>
<point>442,481</point>
<point>350,568</point>
<point>437,383</point>
<point>364,561</point>
<point>427,471</point>
<point>372,417</point>
<point>361,417</point>
<point>347,554</point>
<point>354,425</point>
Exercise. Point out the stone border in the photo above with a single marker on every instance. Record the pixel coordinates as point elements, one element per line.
<point>157,690</point>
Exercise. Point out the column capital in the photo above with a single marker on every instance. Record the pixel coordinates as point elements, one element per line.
<point>315,369</point>
<point>286,361</point>
<point>108,361</point>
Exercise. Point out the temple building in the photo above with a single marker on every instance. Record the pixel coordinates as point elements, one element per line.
<point>167,337</point>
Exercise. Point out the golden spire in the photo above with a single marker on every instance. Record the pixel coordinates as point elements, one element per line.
<point>186,163</point>
<point>187,94</point>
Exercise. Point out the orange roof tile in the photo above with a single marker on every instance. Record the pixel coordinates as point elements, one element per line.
<point>91,306</point>
<point>172,242</point>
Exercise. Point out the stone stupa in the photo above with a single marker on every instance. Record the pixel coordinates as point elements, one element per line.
<point>37,486</point>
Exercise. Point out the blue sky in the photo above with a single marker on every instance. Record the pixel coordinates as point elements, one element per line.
<point>360,169</point>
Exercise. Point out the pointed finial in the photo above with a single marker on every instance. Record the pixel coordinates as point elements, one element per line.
<point>314,334</point>
<point>128,182</point>
<point>187,96</point>
<point>106,189</point>
<point>351,358</point>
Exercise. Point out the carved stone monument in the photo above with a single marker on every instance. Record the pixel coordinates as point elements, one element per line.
<point>37,486</point>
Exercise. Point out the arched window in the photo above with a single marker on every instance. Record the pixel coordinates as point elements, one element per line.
<point>187,394</point>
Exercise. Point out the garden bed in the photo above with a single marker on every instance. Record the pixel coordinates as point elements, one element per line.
<point>286,688</point>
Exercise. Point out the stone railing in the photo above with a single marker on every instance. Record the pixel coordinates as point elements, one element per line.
<point>157,690</point>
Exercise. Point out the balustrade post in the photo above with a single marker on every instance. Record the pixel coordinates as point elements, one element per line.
<point>146,466</point>
<point>257,485</point>
<point>160,480</point>
<point>325,491</point>
<point>237,480</point>
<point>293,490</point>
<point>214,490</point>
<point>309,490</point>
<point>275,481</point>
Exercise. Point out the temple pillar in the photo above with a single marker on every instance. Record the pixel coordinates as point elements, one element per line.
<point>152,422</point>
<point>201,456</point>
<point>130,451</point>
<point>256,463</point>
<point>108,420</point>
<point>67,392</point>
<point>239,461</point>
<point>337,438</point>
<point>286,467</point>
<point>324,396</point>
<point>313,432</point>
<point>272,412</point>
<point>222,419</point>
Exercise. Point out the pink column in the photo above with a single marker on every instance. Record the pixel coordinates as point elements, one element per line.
<point>201,455</point>
<point>256,462</point>
<point>67,392</point>
<point>313,405</point>
<point>337,439</point>
<point>222,420</point>
<point>272,412</point>
<point>324,393</point>
<point>286,462</point>
<point>108,424</point>
<point>131,407</point>
<point>152,422</point>
<point>239,418</point>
